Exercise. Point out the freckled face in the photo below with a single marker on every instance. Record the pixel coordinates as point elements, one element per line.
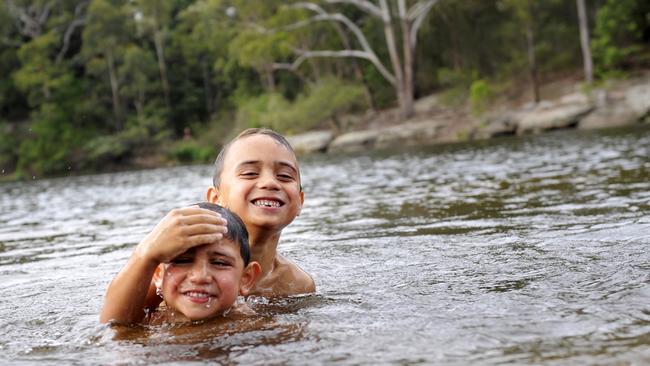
<point>260,182</point>
<point>204,281</point>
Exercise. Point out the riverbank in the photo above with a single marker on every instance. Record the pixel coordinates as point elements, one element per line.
<point>567,104</point>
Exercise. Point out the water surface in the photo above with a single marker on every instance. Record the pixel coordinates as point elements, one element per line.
<point>516,250</point>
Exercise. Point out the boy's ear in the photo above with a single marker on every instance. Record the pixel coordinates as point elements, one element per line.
<point>158,275</point>
<point>302,201</point>
<point>249,278</point>
<point>212,195</point>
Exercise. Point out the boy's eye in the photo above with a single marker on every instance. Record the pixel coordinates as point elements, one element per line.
<point>220,263</point>
<point>248,174</point>
<point>182,260</point>
<point>285,176</point>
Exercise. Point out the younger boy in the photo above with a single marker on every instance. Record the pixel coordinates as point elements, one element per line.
<point>201,283</point>
<point>258,178</point>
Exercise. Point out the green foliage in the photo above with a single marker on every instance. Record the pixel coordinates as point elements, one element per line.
<point>82,88</point>
<point>255,49</point>
<point>457,84</point>
<point>260,111</point>
<point>327,100</point>
<point>50,144</point>
<point>619,34</point>
<point>191,151</point>
<point>38,75</point>
<point>480,96</point>
<point>9,145</point>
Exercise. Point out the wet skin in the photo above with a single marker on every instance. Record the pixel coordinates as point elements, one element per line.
<point>260,181</point>
<point>204,281</point>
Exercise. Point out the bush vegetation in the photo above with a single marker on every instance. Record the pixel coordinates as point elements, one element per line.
<point>96,83</point>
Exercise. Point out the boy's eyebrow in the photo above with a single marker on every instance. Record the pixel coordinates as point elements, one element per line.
<point>217,253</point>
<point>248,162</point>
<point>288,165</point>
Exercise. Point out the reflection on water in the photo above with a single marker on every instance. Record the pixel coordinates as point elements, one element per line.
<point>523,251</point>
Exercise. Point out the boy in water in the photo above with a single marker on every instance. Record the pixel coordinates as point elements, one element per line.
<point>257,177</point>
<point>201,283</point>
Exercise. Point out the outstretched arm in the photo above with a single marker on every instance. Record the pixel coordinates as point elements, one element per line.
<point>131,291</point>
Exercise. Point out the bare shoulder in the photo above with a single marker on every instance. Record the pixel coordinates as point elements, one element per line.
<point>296,280</point>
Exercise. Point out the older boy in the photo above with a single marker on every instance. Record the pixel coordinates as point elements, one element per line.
<point>201,283</point>
<point>257,177</point>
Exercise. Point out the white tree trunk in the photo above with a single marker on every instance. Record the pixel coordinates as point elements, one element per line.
<point>584,41</point>
<point>407,107</point>
<point>398,71</point>
<point>162,66</point>
<point>402,77</point>
<point>115,87</point>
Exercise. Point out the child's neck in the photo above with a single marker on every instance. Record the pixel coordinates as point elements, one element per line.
<point>264,247</point>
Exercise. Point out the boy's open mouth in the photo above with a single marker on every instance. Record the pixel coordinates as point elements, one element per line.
<point>198,296</point>
<point>266,202</point>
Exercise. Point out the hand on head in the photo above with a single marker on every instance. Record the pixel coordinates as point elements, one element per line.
<point>180,230</point>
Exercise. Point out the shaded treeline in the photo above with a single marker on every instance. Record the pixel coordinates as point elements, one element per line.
<point>87,85</point>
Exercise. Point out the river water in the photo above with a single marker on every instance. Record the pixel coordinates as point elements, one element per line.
<point>511,251</point>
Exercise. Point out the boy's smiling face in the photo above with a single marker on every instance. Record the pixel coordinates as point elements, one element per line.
<point>204,281</point>
<point>260,182</point>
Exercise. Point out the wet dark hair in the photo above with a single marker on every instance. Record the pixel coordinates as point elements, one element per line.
<point>236,229</point>
<point>218,163</point>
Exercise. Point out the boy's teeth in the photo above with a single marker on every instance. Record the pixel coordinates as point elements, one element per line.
<point>267,203</point>
<point>197,294</point>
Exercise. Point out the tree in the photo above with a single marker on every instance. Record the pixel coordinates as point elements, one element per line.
<point>621,35</point>
<point>104,38</point>
<point>155,15</point>
<point>137,70</point>
<point>584,41</point>
<point>524,13</point>
<point>255,46</point>
<point>203,34</point>
<point>409,21</point>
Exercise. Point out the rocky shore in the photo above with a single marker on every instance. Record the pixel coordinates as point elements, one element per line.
<point>617,104</point>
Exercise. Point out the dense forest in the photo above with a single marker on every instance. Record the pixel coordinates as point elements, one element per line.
<point>89,85</point>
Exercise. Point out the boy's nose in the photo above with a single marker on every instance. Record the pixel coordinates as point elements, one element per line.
<point>269,181</point>
<point>199,273</point>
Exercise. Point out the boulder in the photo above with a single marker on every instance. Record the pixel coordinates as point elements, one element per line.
<point>310,142</point>
<point>499,125</point>
<point>403,134</point>
<point>610,115</point>
<point>354,141</point>
<point>409,133</point>
<point>638,98</point>
<point>552,117</point>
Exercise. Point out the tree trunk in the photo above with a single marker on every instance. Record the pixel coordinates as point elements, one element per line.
<point>408,109</point>
<point>209,107</point>
<point>389,33</point>
<point>270,78</point>
<point>115,87</point>
<point>138,103</point>
<point>584,41</point>
<point>160,55</point>
<point>532,62</point>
